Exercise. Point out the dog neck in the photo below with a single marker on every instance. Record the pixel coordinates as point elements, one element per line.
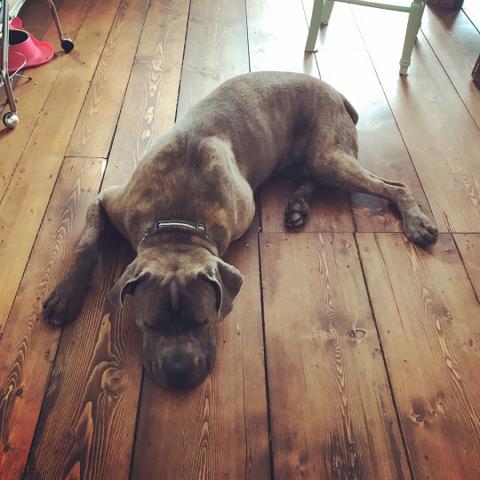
<point>196,233</point>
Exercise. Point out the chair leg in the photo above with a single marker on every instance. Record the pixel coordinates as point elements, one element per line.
<point>314,26</point>
<point>413,26</point>
<point>327,12</point>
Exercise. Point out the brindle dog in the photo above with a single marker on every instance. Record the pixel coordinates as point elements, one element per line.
<point>205,169</point>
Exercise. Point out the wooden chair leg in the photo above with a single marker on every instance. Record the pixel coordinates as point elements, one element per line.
<point>413,26</point>
<point>326,12</point>
<point>314,26</point>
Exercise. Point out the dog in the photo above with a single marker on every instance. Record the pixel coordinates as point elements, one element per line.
<point>192,195</point>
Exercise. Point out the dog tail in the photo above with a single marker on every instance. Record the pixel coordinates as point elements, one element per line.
<point>351,110</point>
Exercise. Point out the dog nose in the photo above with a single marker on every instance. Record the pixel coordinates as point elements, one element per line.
<point>179,370</point>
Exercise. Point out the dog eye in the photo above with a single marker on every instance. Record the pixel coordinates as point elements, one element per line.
<point>155,329</point>
<point>199,324</point>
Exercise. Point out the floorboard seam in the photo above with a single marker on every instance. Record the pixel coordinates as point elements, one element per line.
<point>470,19</point>
<point>390,385</point>
<point>122,102</point>
<point>265,362</point>
<point>54,361</point>
<point>90,86</point>
<point>459,250</point>
<point>448,76</point>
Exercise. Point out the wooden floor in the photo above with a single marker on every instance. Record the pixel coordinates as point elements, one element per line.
<point>350,354</point>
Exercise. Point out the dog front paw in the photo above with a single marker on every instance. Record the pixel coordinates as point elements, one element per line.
<point>296,213</point>
<point>63,304</point>
<point>421,230</point>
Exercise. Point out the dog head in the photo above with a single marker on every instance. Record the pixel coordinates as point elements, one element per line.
<point>179,297</point>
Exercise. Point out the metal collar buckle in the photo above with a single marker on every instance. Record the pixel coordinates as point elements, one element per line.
<point>197,229</point>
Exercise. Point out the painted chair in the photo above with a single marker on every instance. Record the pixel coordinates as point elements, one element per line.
<point>322,10</point>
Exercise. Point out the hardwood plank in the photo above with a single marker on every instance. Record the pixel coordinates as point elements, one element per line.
<point>88,416</point>
<point>331,406</point>
<point>455,42</point>
<point>96,123</point>
<point>40,163</point>
<point>28,345</point>
<point>427,315</point>
<point>31,96</point>
<point>151,99</point>
<point>212,59</point>
<point>437,128</point>
<point>218,430</point>
<point>341,51</point>
<point>87,425</point>
<point>223,423</point>
<point>470,7</point>
<point>276,37</point>
<point>468,245</point>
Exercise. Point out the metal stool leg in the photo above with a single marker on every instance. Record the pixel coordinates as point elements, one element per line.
<point>10,119</point>
<point>67,43</point>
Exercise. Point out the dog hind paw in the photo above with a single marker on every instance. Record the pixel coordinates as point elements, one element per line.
<point>296,213</point>
<point>421,231</point>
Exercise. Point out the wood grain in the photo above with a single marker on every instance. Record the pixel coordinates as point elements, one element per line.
<point>341,51</point>
<point>89,412</point>
<point>455,42</point>
<point>87,426</point>
<point>96,123</point>
<point>31,96</point>
<point>276,38</point>
<point>444,142</point>
<point>470,7</point>
<point>427,315</point>
<point>331,421</point>
<point>331,406</point>
<point>34,179</point>
<point>28,345</point>
<point>216,49</point>
<point>218,430</point>
<point>468,245</point>
<point>151,99</point>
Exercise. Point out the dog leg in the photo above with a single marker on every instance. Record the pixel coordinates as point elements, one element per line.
<point>298,209</point>
<point>65,301</point>
<point>343,170</point>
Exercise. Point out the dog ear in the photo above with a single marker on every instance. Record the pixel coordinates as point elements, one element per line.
<point>125,285</point>
<point>227,281</point>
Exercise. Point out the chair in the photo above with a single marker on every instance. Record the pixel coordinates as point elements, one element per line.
<point>322,10</point>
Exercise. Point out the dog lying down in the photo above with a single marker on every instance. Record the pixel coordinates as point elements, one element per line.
<point>192,195</point>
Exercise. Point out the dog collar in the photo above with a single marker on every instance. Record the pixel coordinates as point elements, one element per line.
<point>197,229</point>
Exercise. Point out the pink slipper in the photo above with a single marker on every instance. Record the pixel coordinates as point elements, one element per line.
<point>25,50</point>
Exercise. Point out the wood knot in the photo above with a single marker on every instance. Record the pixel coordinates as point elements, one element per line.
<point>417,418</point>
<point>112,381</point>
<point>357,333</point>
